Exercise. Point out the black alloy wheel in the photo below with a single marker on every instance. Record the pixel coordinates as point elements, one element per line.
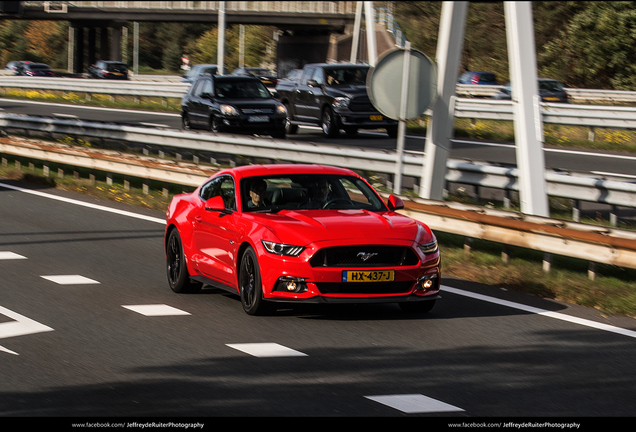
<point>250,284</point>
<point>329,127</point>
<point>178,276</point>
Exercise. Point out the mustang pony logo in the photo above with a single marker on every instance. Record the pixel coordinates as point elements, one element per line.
<point>366,255</point>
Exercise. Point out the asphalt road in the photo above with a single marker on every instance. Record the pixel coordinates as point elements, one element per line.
<point>618,166</point>
<point>89,328</point>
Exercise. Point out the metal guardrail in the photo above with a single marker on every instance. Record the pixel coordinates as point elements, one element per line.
<point>566,114</point>
<point>578,187</point>
<point>587,242</point>
<point>487,91</point>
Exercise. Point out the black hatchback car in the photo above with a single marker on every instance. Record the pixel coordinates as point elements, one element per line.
<point>233,104</point>
<point>550,90</point>
<point>107,69</point>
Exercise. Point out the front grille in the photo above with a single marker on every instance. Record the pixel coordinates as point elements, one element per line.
<point>365,288</point>
<point>364,256</point>
<point>257,110</point>
<point>361,104</point>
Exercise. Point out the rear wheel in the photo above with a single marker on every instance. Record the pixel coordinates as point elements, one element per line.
<point>290,129</point>
<point>178,276</point>
<point>185,121</point>
<point>250,285</point>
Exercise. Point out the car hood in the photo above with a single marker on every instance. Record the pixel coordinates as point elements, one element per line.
<point>311,226</point>
<point>252,103</point>
<point>347,90</point>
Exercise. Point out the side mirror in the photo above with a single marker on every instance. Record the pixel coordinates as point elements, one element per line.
<point>395,203</point>
<point>215,204</point>
<point>312,83</point>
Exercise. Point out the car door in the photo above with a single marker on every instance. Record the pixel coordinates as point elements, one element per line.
<point>215,232</point>
<point>304,95</point>
<point>199,101</point>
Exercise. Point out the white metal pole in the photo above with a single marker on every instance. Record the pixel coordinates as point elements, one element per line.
<point>397,187</point>
<point>440,126</point>
<point>136,48</point>
<point>369,17</point>
<point>241,45</point>
<point>528,124</point>
<point>355,41</point>
<point>220,52</point>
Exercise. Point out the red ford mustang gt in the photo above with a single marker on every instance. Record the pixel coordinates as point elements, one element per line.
<point>299,233</point>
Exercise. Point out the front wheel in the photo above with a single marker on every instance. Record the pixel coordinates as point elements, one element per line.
<point>185,122</point>
<point>178,276</point>
<point>329,126</point>
<point>250,285</point>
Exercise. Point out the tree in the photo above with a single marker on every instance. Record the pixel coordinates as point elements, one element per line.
<point>596,47</point>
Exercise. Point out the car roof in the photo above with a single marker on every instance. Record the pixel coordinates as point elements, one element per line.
<point>282,169</point>
<point>338,65</point>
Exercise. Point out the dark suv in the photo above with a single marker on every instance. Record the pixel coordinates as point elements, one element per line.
<point>478,78</point>
<point>334,97</point>
<point>233,104</point>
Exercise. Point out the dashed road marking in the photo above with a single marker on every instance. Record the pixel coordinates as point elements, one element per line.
<point>70,280</point>
<point>414,403</point>
<point>6,255</point>
<point>266,350</point>
<point>156,310</point>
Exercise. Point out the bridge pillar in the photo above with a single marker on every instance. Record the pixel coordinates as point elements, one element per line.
<point>293,52</point>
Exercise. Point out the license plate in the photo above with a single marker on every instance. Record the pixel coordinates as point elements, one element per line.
<point>552,98</point>
<point>368,276</point>
<point>257,119</point>
<point>376,117</point>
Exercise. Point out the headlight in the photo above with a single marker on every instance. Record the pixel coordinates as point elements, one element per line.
<point>228,110</point>
<point>282,249</point>
<point>341,102</point>
<point>280,109</point>
<point>428,247</point>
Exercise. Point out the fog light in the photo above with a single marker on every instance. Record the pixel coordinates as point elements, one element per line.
<point>427,282</point>
<point>291,284</point>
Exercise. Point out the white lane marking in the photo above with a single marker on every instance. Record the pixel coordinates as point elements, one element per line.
<point>48,104</point>
<point>266,350</point>
<point>158,125</point>
<point>85,204</point>
<point>5,255</point>
<point>67,116</point>
<point>20,326</point>
<point>414,403</point>
<point>603,173</point>
<point>538,311</point>
<point>70,280</point>
<point>155,310</point>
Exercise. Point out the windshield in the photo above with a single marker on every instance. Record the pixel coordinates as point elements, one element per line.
<point>242,89</point>
<point>308,192</point>
<point>117,67</point>
<point>339,76</point>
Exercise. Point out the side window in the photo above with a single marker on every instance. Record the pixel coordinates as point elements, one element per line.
<point>307,75</point>
<point>206,87</point>
<point>221,186</point>
<point>318,76</point>
<point>196,88</point>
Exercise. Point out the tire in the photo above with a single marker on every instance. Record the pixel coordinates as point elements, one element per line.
<point>185,122</point>
<point>392,132</point>
<point>177,270</point>
<point>250,286</point>
<point>418,307</point>
<point>290,129</point>
<point>214,125</point>
<point>329,127</point>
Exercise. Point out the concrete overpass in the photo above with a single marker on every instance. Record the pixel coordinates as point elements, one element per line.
<point>311,31</point>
